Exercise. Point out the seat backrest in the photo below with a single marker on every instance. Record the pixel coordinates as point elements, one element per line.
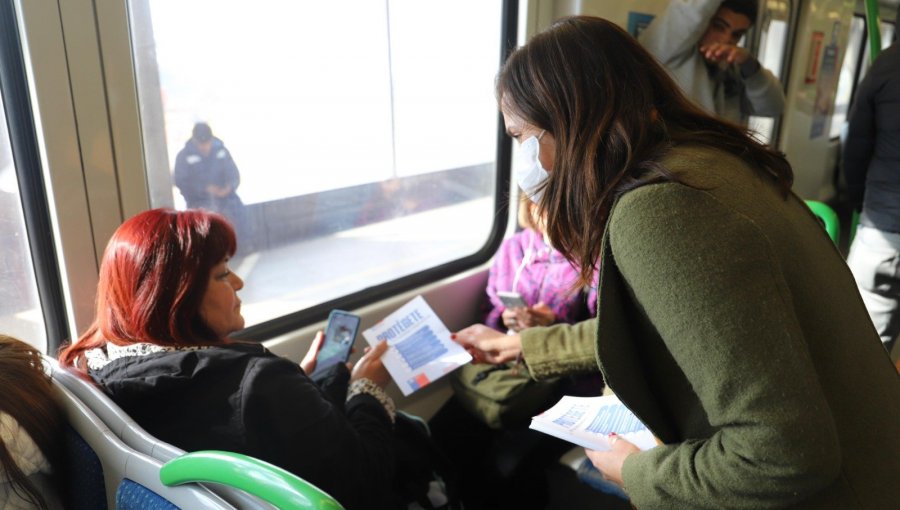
<point>99,463</point>
<point>134,436</point>
<point>272,483</point>
<point>828,217</point>
<point>122,425</point>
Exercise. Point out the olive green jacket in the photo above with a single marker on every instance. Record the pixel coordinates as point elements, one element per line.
<point>729,323</point>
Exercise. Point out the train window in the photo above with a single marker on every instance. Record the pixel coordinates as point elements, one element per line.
<point>887,35</point>
<point>351,144</point>
<point>21,314</point>
<point>773,44</point>
<point>842,97</point>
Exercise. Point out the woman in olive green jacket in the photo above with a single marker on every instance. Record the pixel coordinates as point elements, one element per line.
<point>727,320</point>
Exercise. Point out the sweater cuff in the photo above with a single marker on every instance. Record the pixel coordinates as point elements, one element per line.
<point>368,387</point>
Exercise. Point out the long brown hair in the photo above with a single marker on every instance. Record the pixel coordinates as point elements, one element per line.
<point>28,397</point>
<point>153,276</point>
<point>613,111</point>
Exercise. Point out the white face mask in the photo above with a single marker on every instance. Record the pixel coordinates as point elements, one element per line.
<point>530,175</point>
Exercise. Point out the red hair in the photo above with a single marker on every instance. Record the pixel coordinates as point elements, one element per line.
<point>152,280</point>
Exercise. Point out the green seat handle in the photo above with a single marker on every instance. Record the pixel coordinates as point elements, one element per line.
<point>829,217</point>
<point>268,482</point>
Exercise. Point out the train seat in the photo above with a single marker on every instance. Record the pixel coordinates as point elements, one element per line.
<point>274,484</point>
<point>103,472</point>
<point>239,481</point>
<point>133,435</point>
<point>828,218</point>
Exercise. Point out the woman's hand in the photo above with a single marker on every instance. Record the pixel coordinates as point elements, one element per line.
<point>370,366</point>
<point>610,463</point>
<point>308,363</point>
<point>518,319</point>
<point>510,318</point>
<point>540,315</point>
<point>488,345</point>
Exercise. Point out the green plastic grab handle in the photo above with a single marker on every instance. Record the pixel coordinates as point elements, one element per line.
<point>874,25</point>
<point>268,482</point>
<point>829,217</point>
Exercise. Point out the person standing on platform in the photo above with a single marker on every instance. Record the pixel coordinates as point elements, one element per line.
<point>208,178</point>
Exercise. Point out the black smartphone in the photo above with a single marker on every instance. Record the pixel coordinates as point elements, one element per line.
<point>340,333</point>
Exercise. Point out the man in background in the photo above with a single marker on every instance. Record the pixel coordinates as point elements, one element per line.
<point>872,170</point>
<point>696,40</point>
<point>207,178</point>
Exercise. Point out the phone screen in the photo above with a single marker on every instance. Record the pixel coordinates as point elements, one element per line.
<point>339,337</point>
<point>512,299</point>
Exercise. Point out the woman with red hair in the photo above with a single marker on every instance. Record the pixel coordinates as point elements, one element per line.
<point>166,304</point>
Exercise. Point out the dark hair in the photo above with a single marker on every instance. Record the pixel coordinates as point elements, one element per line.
<point>613,112</point>
<point>749,8</point>
<point>202,132</point>
<point>28,397</point>
<point>154,274</point>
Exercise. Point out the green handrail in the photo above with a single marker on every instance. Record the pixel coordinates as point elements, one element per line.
<point>829,217</point>
<point>874,25</point>
<point>261,479</point>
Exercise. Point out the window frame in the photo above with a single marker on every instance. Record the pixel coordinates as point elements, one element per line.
<point>787,53</point>
<point>98,36</point>
<point>20,119</point>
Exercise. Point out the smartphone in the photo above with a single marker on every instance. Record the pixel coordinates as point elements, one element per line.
<point>340,333</point>
<point>511,299</point>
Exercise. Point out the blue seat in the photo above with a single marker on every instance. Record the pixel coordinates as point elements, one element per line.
<point>103,473</point>
<point>270,483</point>
<point>133,435</point>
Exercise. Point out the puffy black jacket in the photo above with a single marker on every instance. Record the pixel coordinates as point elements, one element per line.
<point>244,399</point>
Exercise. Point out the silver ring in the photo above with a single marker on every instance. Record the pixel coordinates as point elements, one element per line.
<point>613,440</point>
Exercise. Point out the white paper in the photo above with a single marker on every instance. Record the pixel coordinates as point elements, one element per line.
<point>420,350</point>
<point>588,421</point>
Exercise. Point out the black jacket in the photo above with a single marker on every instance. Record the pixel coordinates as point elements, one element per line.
<point>872,149</point>
<point>244,399</point>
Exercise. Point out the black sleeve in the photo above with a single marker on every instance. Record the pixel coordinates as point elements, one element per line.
<point>334,382</point>
<point>290,421</point>
<point>860,142</point>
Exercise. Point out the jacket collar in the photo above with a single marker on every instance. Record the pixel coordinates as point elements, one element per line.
<point>102,356</point>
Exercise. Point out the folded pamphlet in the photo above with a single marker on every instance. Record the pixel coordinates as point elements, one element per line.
<point>420,350</point>
<point>588,421</point>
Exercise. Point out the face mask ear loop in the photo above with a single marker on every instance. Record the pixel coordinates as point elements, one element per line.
<point>542,134</point>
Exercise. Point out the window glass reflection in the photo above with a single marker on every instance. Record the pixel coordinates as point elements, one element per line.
<point>350,143</point>
<point>772,47</point>
<point>856,38</point>
<point>20,309</point>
